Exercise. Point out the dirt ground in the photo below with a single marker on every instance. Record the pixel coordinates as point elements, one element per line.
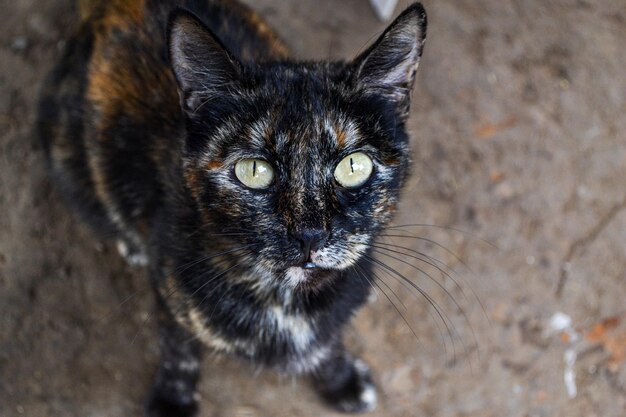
<point>520,151</point>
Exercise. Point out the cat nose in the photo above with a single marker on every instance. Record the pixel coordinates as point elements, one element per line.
<point>310,239</point>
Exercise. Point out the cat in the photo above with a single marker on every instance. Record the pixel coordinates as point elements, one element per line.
<point>250,185</point>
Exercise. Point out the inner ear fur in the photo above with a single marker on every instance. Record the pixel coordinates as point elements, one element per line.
<point>388,66</point>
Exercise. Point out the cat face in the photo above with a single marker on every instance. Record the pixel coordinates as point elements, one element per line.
<point>298,165</point>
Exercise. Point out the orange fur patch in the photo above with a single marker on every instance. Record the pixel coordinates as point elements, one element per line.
<point>265,32</point>
<point>123,13</point>
<point>341,137</point>
<point>214,164</point>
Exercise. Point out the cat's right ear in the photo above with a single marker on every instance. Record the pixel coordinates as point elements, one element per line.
<point>203,67</point>
<point>388,66</point>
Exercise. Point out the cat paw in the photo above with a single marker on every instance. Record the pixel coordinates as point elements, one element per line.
<point>161,406</point>
<point>133,255</point>
<point>357,394</point>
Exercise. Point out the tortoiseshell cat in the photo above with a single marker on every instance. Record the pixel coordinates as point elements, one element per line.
<point>250,184</point>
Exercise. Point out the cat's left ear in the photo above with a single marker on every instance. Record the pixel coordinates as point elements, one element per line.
<point>203,67</point>
<point>388,66</point>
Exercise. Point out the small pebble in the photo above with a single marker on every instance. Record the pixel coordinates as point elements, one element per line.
<point>19,44</point>
<point>246,411</point>
<point>560,321</point>
<point>504,190</point>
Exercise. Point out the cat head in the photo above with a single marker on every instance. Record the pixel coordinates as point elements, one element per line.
<point>298,165</point>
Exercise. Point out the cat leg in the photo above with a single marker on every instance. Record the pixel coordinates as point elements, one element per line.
<point>174,391</point>
<point>345,382</point>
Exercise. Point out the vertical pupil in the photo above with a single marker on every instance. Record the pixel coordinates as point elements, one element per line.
<point>351,165</point>
<point>253,168</point>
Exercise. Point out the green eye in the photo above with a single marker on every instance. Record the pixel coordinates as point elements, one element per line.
<point>254,173</point>
<point>354,170</point>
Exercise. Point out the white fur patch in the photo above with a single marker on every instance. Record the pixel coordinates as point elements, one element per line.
<point>342,256</point>
<point>205,335</point>
<point>295,276</point>
<point>190,365</point>
<point>296,326</point>
<point>369,397</point>
<point>258,131</point>
<point>133,259</point>
<point>311,361</point>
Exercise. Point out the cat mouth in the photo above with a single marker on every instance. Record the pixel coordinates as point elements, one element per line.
<point>310,265</point>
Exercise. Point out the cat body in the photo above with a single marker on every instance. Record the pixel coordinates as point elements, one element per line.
<point>183,129</point>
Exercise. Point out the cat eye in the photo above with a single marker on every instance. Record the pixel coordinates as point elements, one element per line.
<point>354,170</point>
<point>254,173</point>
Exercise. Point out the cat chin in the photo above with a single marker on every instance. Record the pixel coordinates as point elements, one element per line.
<point>308,279</point>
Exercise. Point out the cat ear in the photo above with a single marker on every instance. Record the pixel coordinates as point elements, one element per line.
<point>201,63</point>
<point>388,66</point>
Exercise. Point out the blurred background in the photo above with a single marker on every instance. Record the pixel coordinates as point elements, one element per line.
<point>519,141</point>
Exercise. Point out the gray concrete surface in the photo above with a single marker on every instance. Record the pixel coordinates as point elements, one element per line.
<point>519,140</point>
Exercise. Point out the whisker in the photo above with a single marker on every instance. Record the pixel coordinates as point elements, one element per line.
<point>199,304</point>
<point>426,261</point>
<point>442,315</point>
<point>458,306</point>
<point>378,249</point>
<point>203,274</point>
<point>118,308</point>
<point>186,266</point>
<point>392,291</point>
<point>202,229</point>
<point>214,289</point>
<point>410,290</point>
<point>374,248</point>
<point>439,245</point>
<point>372,282</point>
<point>454,229</point>
<point>392,303</point>
<point>175,289</point>
<point>457,257</point>
<point>362,274</point>
<point>170,294</point>
<point>142,325</point>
